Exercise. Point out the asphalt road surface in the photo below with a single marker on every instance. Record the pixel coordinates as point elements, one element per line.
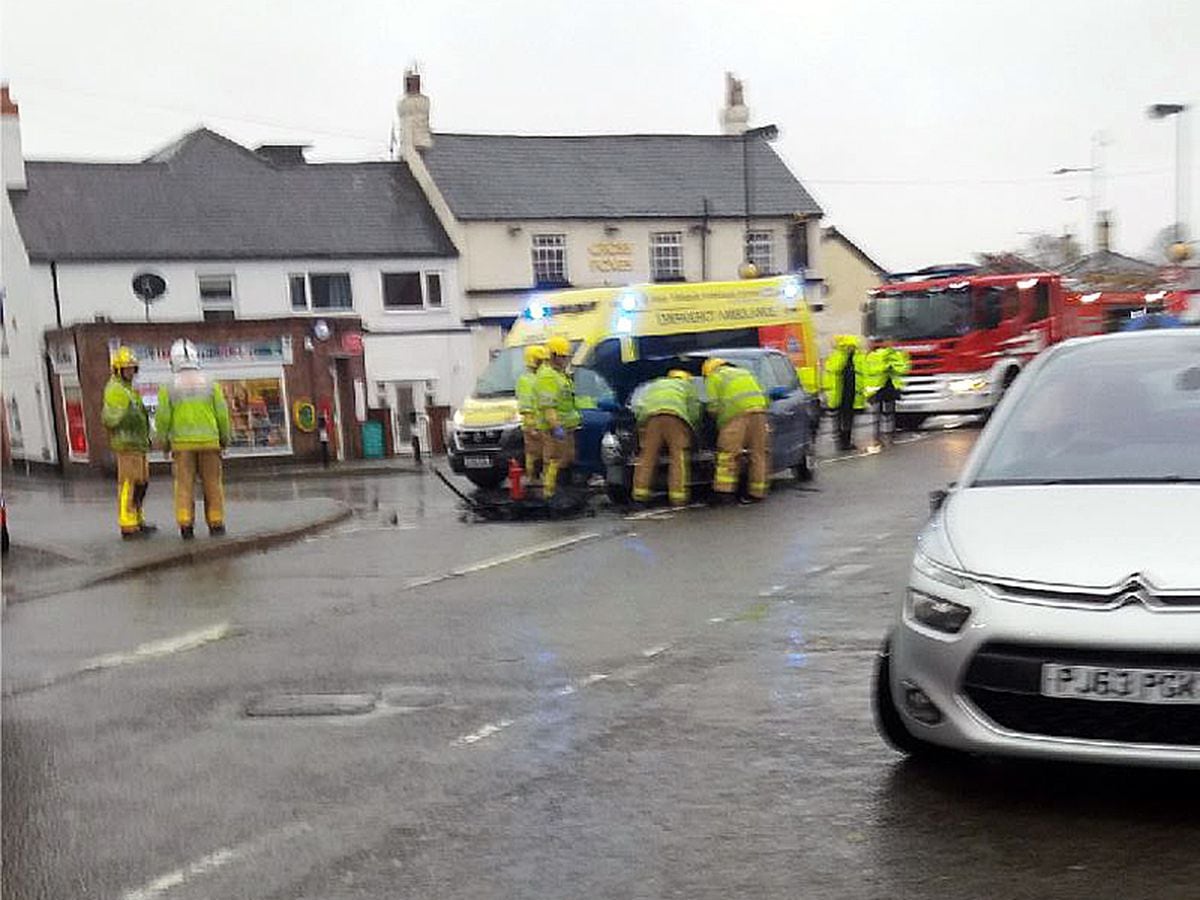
<point>672,705</point>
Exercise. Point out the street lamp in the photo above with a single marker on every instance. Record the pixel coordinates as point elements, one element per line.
<point>762,133</point>
<point>1180,250</point>
<point>1071,170</point>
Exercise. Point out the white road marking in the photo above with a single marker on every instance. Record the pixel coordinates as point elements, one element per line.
<point>848,569</point>
<point>159,649</point>
<point>655,651</point>
<point>493,562</point>
<point>716,620</point>
<point>566,690</point>
<point>483,733</point>
<point>594,678</point>
<point>650,514</point>
<point>164,884</point>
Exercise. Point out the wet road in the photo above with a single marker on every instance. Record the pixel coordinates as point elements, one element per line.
<point>670,706</point>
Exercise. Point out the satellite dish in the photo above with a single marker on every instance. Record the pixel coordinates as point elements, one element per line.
<point>148,287</point>
<point>321,330</point>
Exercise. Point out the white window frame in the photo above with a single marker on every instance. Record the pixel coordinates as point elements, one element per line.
<point>545,249</point>
<point>666,248</point>
<point>423,276</point>
<point>217,304</point>
<point>308,293</point>
<point>757,241</point>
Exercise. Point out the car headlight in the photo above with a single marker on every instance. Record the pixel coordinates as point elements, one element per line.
<point>937,571</point>
<point>968,385</point>
<point>937,613</point>
<point>610,449</point>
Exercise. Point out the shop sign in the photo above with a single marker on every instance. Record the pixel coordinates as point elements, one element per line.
<point>610,256</point>
<point>267,352</point>
<point>352,343</point>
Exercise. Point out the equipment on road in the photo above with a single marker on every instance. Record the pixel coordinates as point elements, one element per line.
<point>498,505</point>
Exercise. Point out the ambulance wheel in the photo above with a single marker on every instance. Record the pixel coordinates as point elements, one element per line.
<point>485,478</point>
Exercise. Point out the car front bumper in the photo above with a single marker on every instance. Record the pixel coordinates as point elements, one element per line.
<point>984,680</point>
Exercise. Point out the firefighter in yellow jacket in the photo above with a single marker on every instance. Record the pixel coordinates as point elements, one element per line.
<point>128,425</point>
<point>192,423</point>
<point>560,417</point>
<point>668,412</point>
<point>527,404</point>
<point>736,400</point>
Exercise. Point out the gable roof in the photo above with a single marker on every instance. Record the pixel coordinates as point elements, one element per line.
<point>834,234</point>
<point>610,176</point>
<point>207,197</point>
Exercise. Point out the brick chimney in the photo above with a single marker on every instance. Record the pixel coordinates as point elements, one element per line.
<point>411,129</point>
<point>12,159</point>
<point>735,117</point>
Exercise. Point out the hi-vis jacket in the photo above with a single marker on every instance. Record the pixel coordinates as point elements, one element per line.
<point>556,399</point>
<point>192,414</point>
<point>670,396</point>
<point>733,391</point>
<point>125,417</point>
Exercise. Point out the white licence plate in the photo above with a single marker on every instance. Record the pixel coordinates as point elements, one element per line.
<point>477,462</point>
<point>1128,685</point>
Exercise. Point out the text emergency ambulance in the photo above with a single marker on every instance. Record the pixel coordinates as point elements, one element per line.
<point>609,327</point>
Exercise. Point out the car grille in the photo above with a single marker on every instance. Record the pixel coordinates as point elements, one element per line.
<point>481,438</point>
<point>1107,598</point>
<point>1004,682</point>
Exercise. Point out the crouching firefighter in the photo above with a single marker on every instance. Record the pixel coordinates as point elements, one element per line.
<point>668,412</point>
<point>736,400</point>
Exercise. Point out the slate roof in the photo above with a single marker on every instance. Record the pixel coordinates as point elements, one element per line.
<point>609,177</point>
<point>206,197</point>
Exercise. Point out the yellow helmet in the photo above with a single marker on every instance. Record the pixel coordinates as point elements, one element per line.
<point>680,373</point>
<point>124,358</point>
<point>558,346</point>
<point>534,354</point>
<point>712,364</point>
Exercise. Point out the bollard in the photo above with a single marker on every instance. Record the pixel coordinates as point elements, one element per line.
<point>416,449</point>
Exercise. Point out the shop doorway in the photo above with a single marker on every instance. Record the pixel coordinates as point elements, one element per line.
<point>408,414</point>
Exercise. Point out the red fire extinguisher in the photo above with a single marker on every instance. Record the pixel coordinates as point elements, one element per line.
<point>516,490</point>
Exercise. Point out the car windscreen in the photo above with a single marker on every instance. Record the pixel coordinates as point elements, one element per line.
<point>1111,411</point>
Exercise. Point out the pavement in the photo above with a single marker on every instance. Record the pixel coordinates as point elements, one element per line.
<point>64,533</point>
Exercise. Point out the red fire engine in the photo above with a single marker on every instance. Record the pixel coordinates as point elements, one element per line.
<point>969,335</point>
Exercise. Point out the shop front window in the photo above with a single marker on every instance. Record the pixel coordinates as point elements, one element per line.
<point>257,415</point>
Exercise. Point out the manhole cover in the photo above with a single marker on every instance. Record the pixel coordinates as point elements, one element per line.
<point>311,705</point>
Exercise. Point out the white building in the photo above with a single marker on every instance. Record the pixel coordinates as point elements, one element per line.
<point>528,212</point>
<point>237,234</point>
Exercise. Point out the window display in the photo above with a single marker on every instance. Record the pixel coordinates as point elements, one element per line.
<point>257,415</point>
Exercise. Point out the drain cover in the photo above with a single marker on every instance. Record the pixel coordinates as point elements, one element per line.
<point>311,705</point>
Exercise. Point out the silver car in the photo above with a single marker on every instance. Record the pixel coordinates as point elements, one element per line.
<point>1053,606</point>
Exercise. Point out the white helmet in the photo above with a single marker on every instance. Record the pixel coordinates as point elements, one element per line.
<point>184,355</point>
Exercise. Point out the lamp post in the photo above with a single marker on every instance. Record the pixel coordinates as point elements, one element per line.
<point>1180,250</point>
<point>1070,170</point>
<point>764,133</point>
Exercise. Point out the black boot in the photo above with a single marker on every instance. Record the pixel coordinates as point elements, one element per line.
<point>187,532</point>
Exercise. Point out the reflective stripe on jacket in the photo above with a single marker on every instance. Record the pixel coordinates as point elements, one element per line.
<point>670,396</point>
<point>556,399</point>
<point>125,417</point>
<point>192,414</point>
<point>884,364</point>
<point>835,366</point>
<point>732,391</point>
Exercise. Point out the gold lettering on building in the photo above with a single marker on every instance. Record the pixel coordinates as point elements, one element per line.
<point>610,256</point>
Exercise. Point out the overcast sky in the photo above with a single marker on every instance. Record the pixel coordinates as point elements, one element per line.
<point>927,129</point>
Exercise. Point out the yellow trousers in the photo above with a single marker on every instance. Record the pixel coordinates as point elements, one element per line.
<point>751,433</point>
<point>558,455</point>
<point>207,464</point>
<point>133,477</point>
<point>533,451</point>
<point>677,436</point>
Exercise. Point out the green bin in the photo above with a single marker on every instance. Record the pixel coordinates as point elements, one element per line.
<point>372,440</point>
